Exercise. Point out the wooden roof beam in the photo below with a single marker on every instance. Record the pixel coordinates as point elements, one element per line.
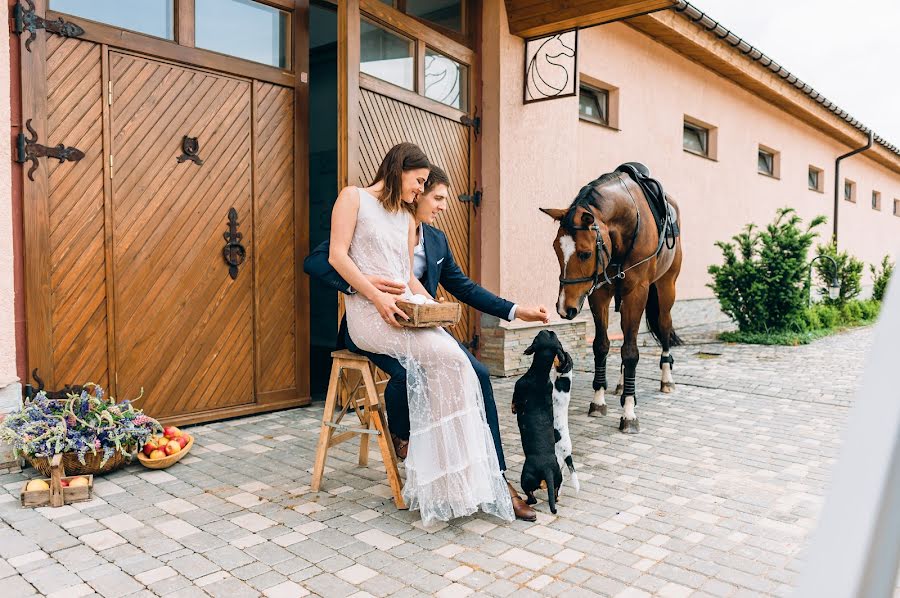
<point>537,18</point>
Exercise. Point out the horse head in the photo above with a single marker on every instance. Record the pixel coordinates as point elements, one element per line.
<point>583,245</point>
<point>548,74</point>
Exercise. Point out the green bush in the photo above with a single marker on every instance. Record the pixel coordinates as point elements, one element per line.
<point>829,316</point>
<point>880,278</point>
<point>870,309</point>
<point>761,283</point>
<point>849,274</point>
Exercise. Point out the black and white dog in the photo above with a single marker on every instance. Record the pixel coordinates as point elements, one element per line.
<point>562,395</point>
<point>535,409</point>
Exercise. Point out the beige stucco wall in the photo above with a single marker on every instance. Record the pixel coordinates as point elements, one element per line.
<point>539,155</point>
<point>9,387</point>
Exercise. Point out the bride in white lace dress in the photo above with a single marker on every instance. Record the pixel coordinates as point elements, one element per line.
<point>451,468</point>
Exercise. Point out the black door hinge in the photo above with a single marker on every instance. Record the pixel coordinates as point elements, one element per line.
<point>28,149</point>
<point>474,198</point>
<point>24,20</point>
<point>473,121</point>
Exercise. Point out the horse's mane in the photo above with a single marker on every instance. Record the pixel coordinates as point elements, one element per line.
<point>587,197</point>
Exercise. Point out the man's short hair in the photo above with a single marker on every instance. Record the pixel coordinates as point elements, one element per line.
<point>437,176</point>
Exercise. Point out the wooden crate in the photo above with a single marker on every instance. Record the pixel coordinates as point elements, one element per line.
<point>57,495</point>
<point>430,315</point>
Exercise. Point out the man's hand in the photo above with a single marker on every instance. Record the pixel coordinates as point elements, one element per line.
<point>386,285</point>
<point>532,313</point>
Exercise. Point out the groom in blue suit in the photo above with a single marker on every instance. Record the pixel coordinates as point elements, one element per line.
<point>433,264</point>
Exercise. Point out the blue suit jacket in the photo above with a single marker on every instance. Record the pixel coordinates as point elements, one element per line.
<point>441,268</point>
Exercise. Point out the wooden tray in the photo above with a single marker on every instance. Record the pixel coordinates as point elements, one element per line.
<point>57,495</point>
<point>430,315</point>
<point>166,461</point>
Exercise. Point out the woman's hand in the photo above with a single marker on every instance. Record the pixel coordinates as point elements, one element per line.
<point>386,304</point>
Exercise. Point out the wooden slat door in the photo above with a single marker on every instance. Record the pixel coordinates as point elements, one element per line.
<point>384,122</point>
<point>76,264</point>
<point>184,328</point>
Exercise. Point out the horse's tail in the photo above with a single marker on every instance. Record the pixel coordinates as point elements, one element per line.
<point>652,311</point>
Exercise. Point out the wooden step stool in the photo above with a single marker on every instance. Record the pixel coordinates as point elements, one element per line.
<point>360,392</point>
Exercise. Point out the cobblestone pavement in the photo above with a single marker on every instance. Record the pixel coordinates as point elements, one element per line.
<point>715,497</point>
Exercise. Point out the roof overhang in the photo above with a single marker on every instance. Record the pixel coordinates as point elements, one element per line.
<point>537,18</point>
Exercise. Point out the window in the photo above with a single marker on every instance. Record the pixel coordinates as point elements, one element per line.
<point>897,207</point>
<point>699,138</point>
<point>224,26</point>
<point>593,105</point>
<point>444,13</point>
<point>876,200</point>
<point>696,139</point>
<point>767,162</point>
<point>153,17</point>
<point>816,179</point>
<point>386,55</point>
<point>446,80</point>
<point>850,190</point>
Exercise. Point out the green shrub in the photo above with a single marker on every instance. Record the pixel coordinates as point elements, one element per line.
<point>829,315</point>
<point>870,309</point>
<point>761,283</point>
<point>849,274</point>
<point>851,313</point>
<point>880,278</point>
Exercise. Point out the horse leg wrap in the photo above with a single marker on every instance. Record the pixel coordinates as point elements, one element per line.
<point>663,359</point>
<point>630,388</point>
<point>599,373</point>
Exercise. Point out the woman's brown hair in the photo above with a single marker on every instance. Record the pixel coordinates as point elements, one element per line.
<point>399,159</point>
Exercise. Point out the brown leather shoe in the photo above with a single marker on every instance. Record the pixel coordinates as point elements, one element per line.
<point>522,509</point>
<point>401,447</point>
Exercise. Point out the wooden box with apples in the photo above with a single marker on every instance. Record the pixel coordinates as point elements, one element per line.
<point>59,490</point>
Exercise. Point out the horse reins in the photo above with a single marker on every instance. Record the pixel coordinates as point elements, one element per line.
<point>600,265</point>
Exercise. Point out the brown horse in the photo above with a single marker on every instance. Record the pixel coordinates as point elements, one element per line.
<point>608,247</point>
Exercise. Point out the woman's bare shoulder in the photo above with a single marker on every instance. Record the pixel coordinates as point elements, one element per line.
<point>348,196</point>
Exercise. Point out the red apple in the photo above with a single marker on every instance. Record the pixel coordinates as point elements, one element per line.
<point>64,483</point>
<point>150,447</point>
<point>182,440</point>
<point>173,447</point>
<point>171,432</point>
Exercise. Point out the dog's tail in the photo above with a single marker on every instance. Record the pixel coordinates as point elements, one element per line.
<point>551,490</point>
<point>574,475</point>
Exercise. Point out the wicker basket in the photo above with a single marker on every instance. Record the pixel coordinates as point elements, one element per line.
<point>166,461</point>
<point>74,467</point>
<point>430,315</point>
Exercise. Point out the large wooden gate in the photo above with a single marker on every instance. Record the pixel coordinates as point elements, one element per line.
<point>386,121</point>
<point>127,284</point>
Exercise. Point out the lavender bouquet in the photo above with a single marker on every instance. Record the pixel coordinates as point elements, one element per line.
<point>81,424</point>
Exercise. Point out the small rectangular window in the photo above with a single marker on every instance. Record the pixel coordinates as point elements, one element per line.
<point>245,29</point>
<point>387,55</point>
<point>766,163</point>
<point>849,190</point>
<point>593,105</point>
<point>446,80</point>
<point>876,200</point>
<point>897,207</point>
<point>153,17</point>
<point>815,180</point>
<point>696,139</point>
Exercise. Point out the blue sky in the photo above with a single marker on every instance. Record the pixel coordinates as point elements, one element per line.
<point>850,52</point>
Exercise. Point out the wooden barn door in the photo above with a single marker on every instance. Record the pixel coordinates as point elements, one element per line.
<point>384,122</point>
<point>65,228</point>
<point>184,318</point>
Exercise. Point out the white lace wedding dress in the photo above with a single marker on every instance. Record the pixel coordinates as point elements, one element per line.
<point>451,468</point>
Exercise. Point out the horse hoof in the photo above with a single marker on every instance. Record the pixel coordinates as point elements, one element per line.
<point>629,426</point>
<point>531,500</point>
<point>619,389</point>
<point>596,410</point>
<point>666,387</point>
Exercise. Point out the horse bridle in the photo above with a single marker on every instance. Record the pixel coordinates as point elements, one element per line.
<point>600,265</point>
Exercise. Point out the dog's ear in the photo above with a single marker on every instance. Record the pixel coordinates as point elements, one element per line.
<point>531,349</point>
